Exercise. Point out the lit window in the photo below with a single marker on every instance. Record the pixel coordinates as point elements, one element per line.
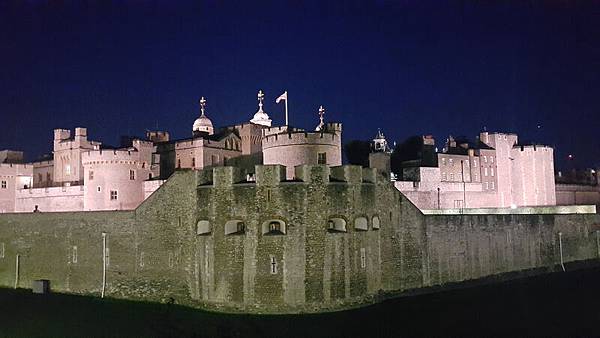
<point>91,175</point>
<point>485,159</point>
<point>485,173</point>
<point>132,175</point>
<point>3,184</point>
<point>322,158</point>
<point>113,195</point>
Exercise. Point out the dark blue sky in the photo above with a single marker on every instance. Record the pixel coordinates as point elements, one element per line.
<point>408,67</point>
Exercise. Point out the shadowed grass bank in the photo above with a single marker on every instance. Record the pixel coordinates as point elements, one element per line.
<point>556,304</point>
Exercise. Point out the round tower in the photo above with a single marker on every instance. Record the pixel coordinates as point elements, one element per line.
<point>301,147</point>
<point>113,179</point>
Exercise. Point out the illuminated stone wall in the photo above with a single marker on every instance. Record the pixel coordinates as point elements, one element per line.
<point>164,249</point>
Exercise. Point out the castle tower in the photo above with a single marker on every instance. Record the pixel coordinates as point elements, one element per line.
<point>202,124</point>
<point>261,117</point>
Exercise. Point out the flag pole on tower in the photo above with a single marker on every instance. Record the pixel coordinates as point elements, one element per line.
<point>284,97</point>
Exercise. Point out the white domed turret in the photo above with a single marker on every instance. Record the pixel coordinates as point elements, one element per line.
<point>261,117</point>
<point>203,124</point>
<point>380,143</point>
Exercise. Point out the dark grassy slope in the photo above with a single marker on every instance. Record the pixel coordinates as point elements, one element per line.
<point>564,304</point>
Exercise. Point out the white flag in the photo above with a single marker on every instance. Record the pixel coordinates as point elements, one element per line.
<point>282,97</point>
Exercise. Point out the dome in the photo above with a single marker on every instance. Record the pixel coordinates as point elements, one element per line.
<point>203,124</point>
<point>261,118</point>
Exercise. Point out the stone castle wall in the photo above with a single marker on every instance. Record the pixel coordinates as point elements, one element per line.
<point>175,244</point>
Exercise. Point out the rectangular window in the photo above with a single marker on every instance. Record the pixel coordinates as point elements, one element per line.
<point>492,185</point>
<point>193,162</point>
<point>132,175</point>
<point>444,177</point>
<point>475,162</point>
<point>68,169</point>
<point>214,159</point>
<point>451,161</point>
<point>74,255</point>
<point>485,173</point>
<point>113,195</point>
<point>485,159</point>
<point>451,177</point>
<point>492,171</point>
<point>321,158</point>
<point>273,265</point>
<point>363,258</point>
<point>492,159</point>
<point>178,163</point>
<point>487,186</point>
<point>3,184</point>
<point>91,175</point>
<point>443,161</point>
<point>99,189</point>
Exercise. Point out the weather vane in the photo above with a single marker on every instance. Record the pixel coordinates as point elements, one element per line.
<point>261,97</point>
<point>202,104</point>
<point>321,113</point>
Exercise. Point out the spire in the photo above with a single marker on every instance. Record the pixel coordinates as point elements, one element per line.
<point>321,118</point>
<point>261,117</point>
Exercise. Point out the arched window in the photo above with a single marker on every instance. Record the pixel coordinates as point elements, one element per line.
<point>235,227</point>
<point>336,224</point>
<point>203,227</point>
<point>361,223</point>
<point>273,227</point>
<point>376,222</point>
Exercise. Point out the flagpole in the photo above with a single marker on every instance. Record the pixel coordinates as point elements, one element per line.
<point>286,109</point>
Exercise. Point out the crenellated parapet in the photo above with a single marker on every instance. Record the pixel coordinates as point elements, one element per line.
<point>111,156</point>
<point>274,175</point>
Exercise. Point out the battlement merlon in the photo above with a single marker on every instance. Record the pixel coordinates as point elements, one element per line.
<point>273,175</point>
<point>109,155</point>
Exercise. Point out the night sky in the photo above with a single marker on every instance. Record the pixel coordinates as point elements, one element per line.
<point>407,67</point>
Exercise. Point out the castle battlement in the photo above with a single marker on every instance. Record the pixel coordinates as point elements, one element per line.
<point>273,175</point>
<point>298,138</point>
<point>110,157</point>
